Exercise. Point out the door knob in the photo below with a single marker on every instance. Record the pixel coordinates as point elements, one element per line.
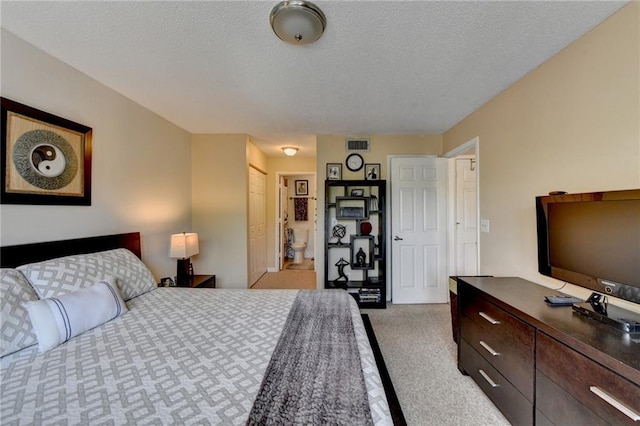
<point>396,238</point>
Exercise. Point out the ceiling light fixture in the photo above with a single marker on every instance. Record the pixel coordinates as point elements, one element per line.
<point>290,151</point>
<point>297,22</point>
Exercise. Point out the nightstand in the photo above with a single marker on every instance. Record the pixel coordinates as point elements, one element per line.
<point>202,281</point>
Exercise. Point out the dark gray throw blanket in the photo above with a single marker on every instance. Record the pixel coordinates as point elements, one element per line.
<point>314,376</point>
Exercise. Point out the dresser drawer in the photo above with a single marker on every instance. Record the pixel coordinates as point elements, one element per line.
<point>607,394</point>
<point>508,347</point>
<point>486,313</point>
<point>515,407</point>
<point>541,420</point>
<point>556,407</point>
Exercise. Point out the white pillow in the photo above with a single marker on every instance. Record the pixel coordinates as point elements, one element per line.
<point>59,319</point>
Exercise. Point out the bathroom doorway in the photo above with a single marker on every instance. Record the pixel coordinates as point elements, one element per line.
<point>296,220</point>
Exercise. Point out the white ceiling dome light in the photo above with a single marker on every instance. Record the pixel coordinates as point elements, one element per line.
<point>290,150</point>
<point>297,22</point>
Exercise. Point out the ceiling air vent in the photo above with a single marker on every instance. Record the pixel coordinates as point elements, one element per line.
<point>358,145</point>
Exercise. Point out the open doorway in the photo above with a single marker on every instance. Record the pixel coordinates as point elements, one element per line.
<point>296,220</point>
<point>464,208</point>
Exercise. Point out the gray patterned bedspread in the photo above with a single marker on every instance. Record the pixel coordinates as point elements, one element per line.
<point>179,356</point>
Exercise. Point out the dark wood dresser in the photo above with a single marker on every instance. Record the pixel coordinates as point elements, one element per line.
<point>545,365</point>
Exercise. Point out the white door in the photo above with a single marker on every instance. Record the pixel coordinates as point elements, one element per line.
<point>257,225</point>
<point>466,218</point>
<point>418,230</point>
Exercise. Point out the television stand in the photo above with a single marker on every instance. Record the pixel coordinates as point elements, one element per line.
<point>544,365</point>
<point>624,320</point>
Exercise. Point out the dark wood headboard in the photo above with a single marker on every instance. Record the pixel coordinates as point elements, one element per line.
<point>12,256</point>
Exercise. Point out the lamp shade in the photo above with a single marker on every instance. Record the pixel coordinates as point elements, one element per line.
<point>184,245</point>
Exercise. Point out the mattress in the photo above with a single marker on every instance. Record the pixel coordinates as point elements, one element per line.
<point>179,356</point>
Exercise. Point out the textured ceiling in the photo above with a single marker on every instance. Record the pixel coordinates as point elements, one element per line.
<point>390,67</point>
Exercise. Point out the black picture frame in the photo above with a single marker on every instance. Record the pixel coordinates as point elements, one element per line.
<point>60,175</point>
<point>166,282</point>
<point>302,187</point>
<point>357,192</point>
<point>372,171</point>
<point>334,171</point>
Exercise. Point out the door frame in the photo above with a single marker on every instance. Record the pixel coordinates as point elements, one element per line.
<point>471,147</point>
<point>278,205</point>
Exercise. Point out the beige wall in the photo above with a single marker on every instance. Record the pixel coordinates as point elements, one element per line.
<point>135,152</point>
<point>219,202</point>
<point>331,149</point>
<point>275,166</point>
<point>572,124</point>
<point>255,157</point>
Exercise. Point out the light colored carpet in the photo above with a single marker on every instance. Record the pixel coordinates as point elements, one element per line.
<point>287,279</point>
<point>420,354</point>
<point>306,265</point>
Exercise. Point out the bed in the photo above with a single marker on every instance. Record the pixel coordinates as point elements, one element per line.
<point>177,355</point>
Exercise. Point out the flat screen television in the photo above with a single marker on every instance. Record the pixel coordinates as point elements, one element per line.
<point>592,240</point>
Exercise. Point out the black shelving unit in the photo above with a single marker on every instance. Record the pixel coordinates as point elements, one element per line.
<point>352,204</point>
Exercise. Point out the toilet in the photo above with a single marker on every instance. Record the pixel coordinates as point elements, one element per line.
<point>299,244</point>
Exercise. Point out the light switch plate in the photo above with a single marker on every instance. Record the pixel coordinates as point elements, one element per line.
<point>484,225</point>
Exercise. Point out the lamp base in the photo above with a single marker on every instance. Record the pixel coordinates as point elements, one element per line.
<point>183,274</point>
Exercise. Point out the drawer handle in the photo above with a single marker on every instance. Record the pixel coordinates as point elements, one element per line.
<point>615,403</point>
<point>488,379</point>
<point>488,318</point>
<point>488,348</point>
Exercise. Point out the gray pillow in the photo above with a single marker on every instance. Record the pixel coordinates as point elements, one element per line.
<point>55,277</point>
<point>15,326</point>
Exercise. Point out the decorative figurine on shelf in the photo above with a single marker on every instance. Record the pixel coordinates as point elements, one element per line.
<point>365,228</point>
<point>361,257</point>
<point>341,264</point>
<point>339,231</point>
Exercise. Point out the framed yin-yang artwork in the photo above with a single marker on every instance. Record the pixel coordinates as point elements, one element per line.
<point>46,159</point>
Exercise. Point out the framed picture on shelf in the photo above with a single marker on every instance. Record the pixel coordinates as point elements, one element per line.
<point>372,171</point>
<point>46,159</point>
<point>302,187</point>
<point>166,282</point>
<point>334,171</point>
<point>352,208</point>
<point>357,192</point>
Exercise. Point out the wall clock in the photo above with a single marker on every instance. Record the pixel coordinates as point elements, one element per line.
<point>354,162</point>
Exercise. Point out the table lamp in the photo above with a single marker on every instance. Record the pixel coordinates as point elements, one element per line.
<point>183,246</point>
